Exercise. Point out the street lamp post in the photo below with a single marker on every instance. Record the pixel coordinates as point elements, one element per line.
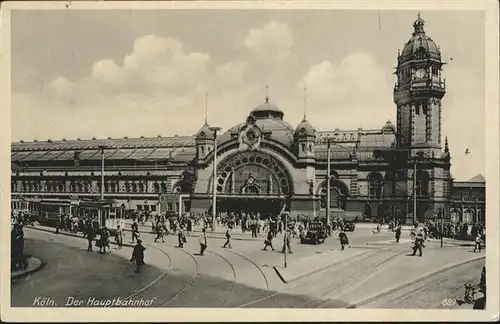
<point>100,216</point>
<point>414,189</point>
<point>328,183</point>
<point>214,189</point>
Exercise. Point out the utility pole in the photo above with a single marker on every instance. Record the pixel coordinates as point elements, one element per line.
<point>328,182</point>
<point>214,178</point>
<point>101,211</point>
<point>414,189</point>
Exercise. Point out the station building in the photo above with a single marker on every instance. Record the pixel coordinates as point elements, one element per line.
<point>264,164</point>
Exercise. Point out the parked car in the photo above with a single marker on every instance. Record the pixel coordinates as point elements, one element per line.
<point>315,234</point>
<point>349,226</point>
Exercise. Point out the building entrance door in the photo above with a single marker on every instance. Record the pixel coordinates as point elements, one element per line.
<point>253,205</point>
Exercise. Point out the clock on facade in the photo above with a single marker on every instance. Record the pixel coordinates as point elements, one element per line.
<point>421,73</point>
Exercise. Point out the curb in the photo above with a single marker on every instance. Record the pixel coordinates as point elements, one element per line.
<point>72,235</point>
<point>411,282</point>
<point>27,273</point>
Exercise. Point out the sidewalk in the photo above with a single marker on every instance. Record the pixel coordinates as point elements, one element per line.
<point>67,233</point>
<point>34,264</point>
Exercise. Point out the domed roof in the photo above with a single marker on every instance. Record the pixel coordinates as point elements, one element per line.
<point>280,131</point>
<point>420,45</point>
<point>388,127</point>
<point>267,110</point>
<point>205,133</point>
<point>304,129</point>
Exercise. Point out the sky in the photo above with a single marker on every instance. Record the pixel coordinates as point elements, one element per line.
<point>116,73</point>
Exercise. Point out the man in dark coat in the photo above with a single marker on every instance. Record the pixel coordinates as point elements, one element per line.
<point>17,247</point>
<point>138,255</point>
<point>90,236</point>
<point>398,233</point>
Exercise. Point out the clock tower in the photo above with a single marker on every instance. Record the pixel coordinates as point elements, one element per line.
<point>422,168</point>
<point>418,92</point>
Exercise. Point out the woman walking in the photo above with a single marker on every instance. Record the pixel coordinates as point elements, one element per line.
<point>343,239</point>
<point>268,241</point>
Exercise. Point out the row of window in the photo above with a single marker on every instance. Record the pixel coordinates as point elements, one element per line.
<point>90,187</point>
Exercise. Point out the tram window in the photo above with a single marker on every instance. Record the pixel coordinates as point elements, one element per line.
<point>169,206</point>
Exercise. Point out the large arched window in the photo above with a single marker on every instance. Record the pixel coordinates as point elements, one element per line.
<point>338,194</point>
<point>375,185</point>
<point>253,173</point>
<point>422,184</point>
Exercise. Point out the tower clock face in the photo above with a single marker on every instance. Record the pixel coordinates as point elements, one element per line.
<point>421,73</point>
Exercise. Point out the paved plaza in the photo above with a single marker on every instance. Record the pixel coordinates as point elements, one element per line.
<point>373,272</point>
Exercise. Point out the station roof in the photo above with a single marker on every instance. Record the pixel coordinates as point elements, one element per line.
<point>182,148</point>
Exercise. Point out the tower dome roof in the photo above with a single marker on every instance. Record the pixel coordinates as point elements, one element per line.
<point>205,133</point>
<point>267,110</point>
<point>305,129</point>
<point>388,127</point>
<point>420,45</point>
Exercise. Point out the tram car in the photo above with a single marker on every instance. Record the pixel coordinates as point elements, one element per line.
<point>315,234</point>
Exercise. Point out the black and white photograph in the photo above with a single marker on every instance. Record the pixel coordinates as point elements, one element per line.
<point>168,157</point>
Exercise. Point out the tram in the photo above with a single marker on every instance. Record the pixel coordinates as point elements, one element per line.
<point>51,210</point>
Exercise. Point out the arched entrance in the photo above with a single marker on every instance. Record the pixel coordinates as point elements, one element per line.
<point>252,182</point>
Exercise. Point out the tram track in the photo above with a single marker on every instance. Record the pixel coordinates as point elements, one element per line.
<point>344,266</point>
<point>404,293</point>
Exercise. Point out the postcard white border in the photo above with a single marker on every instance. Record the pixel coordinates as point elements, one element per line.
<point>251,315</point>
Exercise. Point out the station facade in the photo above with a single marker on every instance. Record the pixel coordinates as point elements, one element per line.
<point>264,164</point>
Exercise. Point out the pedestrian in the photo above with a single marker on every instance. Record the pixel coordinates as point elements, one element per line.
<point>268,241</point>
<point>119,237</point>
<point>90,236</point>
<point>426,230</point>
<point>138,255</point>
<point>135,231</point>
<point>412,234</point>
<point>104,240</point>
<point>343,239</point>
<point>203,241</point>
<point>419,244</point>
<point>398,233</point>
<point>286,242</point>
<point>17,247</point>
<point>159,233</point>
<point>228,239</point>
<point>181,237</point>
<point>253,227</point>
<point>478,243</point>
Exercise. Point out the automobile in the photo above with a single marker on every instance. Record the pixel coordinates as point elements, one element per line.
<point>315,234</point>
<point>349,226</point>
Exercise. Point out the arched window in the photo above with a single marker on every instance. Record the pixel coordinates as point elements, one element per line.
<point>375,184</point>
<point>422,184</point>
<point>163,187</point>
<point>156,187</point>
<point>141,187</point>
<point>337,195</point>
<point>134,187</point>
